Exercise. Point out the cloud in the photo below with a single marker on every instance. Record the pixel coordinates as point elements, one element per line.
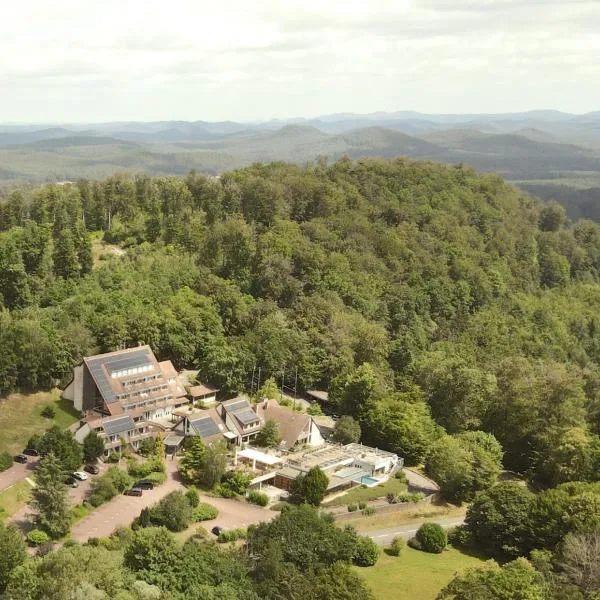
<point>148,59</point>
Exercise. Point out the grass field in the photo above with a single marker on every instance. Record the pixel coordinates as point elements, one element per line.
<point>360,494</point>
<point>13,498</point>
<point>20,417</point>
<point>415,575</point>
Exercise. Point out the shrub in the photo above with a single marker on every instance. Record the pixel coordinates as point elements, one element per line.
<point>236,481</point>
<point>352,507</point>
<point>201,532</point>
<point>391,498</point>
<point>397,546</point>
<point>205,512</point>
<point>147,446</point>
<point>432,537</point>
<point>362,505</point>
<point>368,511</point>
<point>401,476</point>
<point>118,478</point>
<point>193,497</point>
<point>231,535</point>
<point>146,468</point>
<point>224,491</point>
<point>460,536</point>
<point>366,552</point>
<point>315,410</point>
<point>6,460</point>
<point>259,498</point>
<point>410,497</point>
<point>37,537</point>
<point>48,412</point>
<point>173,512</point>
<point>34,442</point>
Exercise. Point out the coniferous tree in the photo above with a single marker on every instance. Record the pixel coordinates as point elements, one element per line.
<point>50,498</point>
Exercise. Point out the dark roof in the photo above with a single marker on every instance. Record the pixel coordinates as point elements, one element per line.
<point>119,425</point>
<point>205,427</point>
<point>102,365</point>
<point>246,416</point>
<point>233,406</point>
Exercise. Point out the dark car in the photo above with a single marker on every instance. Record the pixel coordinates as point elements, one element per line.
<point>145,484</point>
<point>31,452</point>
<point>93,469</point>
<point>20,458</point>
<point>216,530</point>
<point>134,491</point>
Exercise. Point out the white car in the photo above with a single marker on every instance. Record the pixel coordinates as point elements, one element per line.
<point>80,475</point>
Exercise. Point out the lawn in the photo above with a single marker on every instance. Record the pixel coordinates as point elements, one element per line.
<point>364,494</point>
<point>13,498</point>
<point>20,417</point>
<point>415,575</point>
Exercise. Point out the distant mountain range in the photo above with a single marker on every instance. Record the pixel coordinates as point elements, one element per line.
<point>541,148</point>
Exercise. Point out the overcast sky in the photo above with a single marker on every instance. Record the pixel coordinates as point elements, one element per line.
<point>102,60</point>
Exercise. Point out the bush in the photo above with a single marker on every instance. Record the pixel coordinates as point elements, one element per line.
<point>34,442</point>
<point>397,546</point>
<point>236,481</point>
<point>362,505</point>
<point>401,476</point>
<point>391,498</point>
<point>6,461</point>
<point>201,533</point>
<point>146,468</point>
<point>231,536</point>
<point>156,478</point>
<point>432,538</point>
<point>366,552</point>
<point>104,488</point>
<point>205,512</point>
<point>352,507</point>
<point>259,498</point>
<point>224,491</point>
<point>193,497</point>
<point>368,511</point>
<point>48,412</point>
<point>147,446</point>
<point>315,410</point>
<point>460,536</point>
<point>173,512</point>
<point>37,537</point>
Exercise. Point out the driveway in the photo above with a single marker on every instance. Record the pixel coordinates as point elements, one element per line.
<point>420,483</point>
<point>122,510</point>
<point>384,537</point>
<point>17,472</point>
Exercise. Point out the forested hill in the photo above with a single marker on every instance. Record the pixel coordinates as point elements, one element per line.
<point>404,287</point>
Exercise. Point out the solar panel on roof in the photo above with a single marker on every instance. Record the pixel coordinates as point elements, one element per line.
<point>205,427</point>
<point>246,416</point>
<point>118,425</point>
<point>132,360</point>
<point>235,406</point>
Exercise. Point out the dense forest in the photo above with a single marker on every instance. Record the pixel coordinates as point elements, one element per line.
<point>426,298</point>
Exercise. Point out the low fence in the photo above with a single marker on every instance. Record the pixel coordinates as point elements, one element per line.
<point>381,507</point>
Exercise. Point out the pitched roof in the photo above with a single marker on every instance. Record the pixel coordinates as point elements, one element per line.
<point>167,368</point>
<point>118,425</point>
<point>291,423</point>
<point>207,424</point>
<point>106,369</point>
<point>198,391</point>
<point>242,411</point>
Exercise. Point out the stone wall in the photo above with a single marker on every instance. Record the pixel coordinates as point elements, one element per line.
<point>382,507</point>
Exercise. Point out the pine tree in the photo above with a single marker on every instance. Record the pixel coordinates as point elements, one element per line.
<point>50,498</point>
<point>66,263</point>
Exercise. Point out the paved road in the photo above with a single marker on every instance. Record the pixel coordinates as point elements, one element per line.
<point>384,537</point>
<point>17,472</point>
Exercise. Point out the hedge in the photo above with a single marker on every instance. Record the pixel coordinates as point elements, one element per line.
<point>6,461</point>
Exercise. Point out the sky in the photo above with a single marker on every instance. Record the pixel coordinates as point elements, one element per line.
<point>146,60</point>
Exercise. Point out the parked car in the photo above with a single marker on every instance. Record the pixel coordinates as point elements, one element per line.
<point>134,491</point>
<point>145,484</point>
<point>72,482</point>
<point>20,458</point>
<point>31,452</point>
<point>93,469</point>
<point>216,530</point>
<point>81,475</point>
